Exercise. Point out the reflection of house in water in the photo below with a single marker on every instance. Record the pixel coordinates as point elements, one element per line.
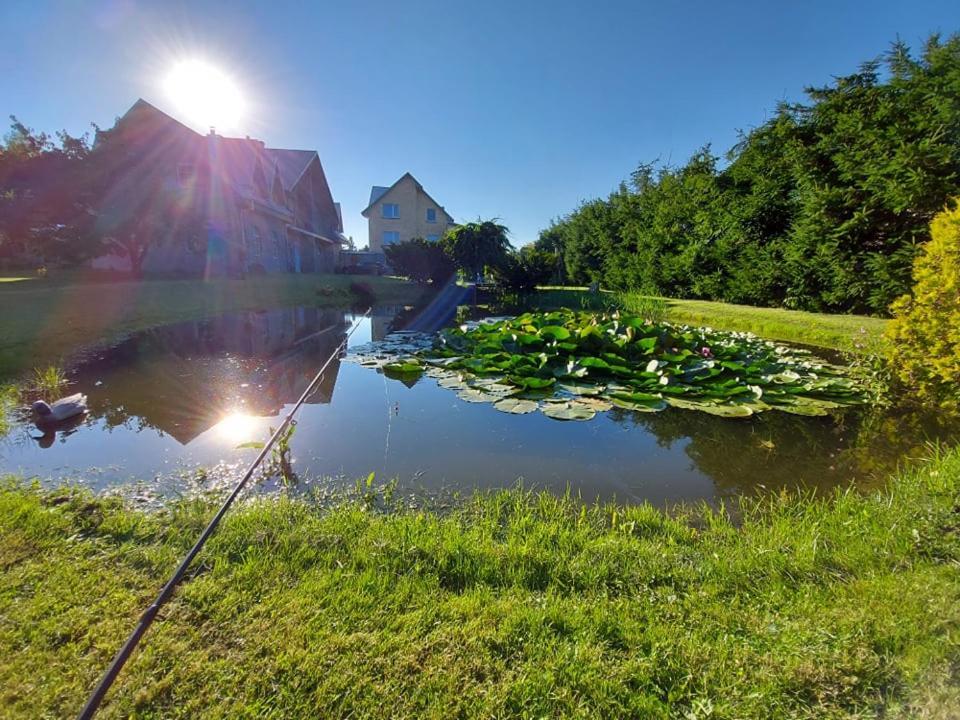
<point>184,378</point>
<point>382,320</point>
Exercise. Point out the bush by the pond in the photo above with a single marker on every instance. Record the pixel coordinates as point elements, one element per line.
<point>572,365</point>
<point>522,270</point>
<point>420,260</point>
<point>362,292</point>
<point>925,332</point>
<point>511,605</point>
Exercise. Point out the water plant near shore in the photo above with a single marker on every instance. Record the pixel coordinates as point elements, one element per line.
<point>9,396</point>
<point>49,381</point>
<point>571,365</point>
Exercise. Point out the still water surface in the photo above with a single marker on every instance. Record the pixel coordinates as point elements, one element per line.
<point>172,400</point>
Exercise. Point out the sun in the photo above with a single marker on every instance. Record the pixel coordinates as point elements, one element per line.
<point>204,95</point>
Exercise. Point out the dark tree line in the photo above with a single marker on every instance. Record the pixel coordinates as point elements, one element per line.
<point>820,208</point>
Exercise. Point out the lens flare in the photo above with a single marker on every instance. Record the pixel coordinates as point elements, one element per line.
<point>204,95</point>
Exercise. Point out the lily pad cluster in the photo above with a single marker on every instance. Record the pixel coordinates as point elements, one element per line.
<point>570,365</point>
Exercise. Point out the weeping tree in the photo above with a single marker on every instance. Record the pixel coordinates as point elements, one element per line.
<point>476,246</point>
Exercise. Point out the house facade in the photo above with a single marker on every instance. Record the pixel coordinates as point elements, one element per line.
<point>404,211</point>
<point>219,206</point>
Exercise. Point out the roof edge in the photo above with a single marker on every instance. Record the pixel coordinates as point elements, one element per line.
<point>419,186</point>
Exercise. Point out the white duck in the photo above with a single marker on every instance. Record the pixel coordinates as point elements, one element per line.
<point>62,409</point>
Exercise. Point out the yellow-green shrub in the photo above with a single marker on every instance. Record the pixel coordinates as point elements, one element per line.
<point>924,336</point>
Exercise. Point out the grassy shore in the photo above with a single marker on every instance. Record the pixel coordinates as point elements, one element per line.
<point>45,319</point>
<point>512,605</point>
<point>838,332</point>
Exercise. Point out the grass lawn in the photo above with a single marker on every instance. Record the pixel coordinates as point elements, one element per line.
<point>45,319</point>
<point>838,332</point>
<point>511,605</point>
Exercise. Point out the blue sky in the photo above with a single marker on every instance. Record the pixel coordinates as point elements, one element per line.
<point>516,110</point>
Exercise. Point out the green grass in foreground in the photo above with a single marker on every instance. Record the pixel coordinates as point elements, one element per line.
<point>513,605</point>
<point>839,332</point>
<point>46,319</point>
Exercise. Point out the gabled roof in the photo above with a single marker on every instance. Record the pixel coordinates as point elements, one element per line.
<point>237,158</point>
<point>241,153</point>
<point>142,105</point>
<point>292,164</point>
<point>376,192</point>
<point>375,195</point>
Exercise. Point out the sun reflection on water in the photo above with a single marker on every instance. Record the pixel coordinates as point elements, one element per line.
<point>237,427</point>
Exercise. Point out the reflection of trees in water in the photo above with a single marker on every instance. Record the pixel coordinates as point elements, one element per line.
<point>769,451</point>
<point>888,439</point>
<point>183,378</point>
<point>776,450</point>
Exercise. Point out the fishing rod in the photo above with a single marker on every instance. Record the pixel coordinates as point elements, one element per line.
<point>150,614</point>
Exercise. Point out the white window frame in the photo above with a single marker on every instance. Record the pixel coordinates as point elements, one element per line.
<point>393,214</point>
<point>394,237</point>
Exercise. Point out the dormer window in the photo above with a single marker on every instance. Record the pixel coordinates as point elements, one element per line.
<point>186,174</point>
<point>391,211</point>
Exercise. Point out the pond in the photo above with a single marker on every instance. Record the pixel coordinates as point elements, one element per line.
<point>170,403</point>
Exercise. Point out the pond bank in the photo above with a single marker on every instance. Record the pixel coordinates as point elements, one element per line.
<point>512,604</point>
<point>847,333</point>
<point>42,321</point>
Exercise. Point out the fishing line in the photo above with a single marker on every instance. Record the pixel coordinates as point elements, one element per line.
<point>150,614</point>
<point>386,444</point>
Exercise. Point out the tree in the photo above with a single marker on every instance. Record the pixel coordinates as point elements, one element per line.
<point>42,196</point>
<point>475,246</point>
<point>420,260</point>
<point>524,270</point>
<point>822,207</point>
<point>924,336</point>
<point>131,207</point>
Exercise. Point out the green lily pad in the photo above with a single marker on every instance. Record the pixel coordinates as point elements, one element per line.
<point>555,332</point>
<point>640,402</point>
<point>568,411</point>
<point>581,388</point>
<point>472,395</point>
<point>578,363</point>
<point>597,404</point>
<point>516,406</point>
